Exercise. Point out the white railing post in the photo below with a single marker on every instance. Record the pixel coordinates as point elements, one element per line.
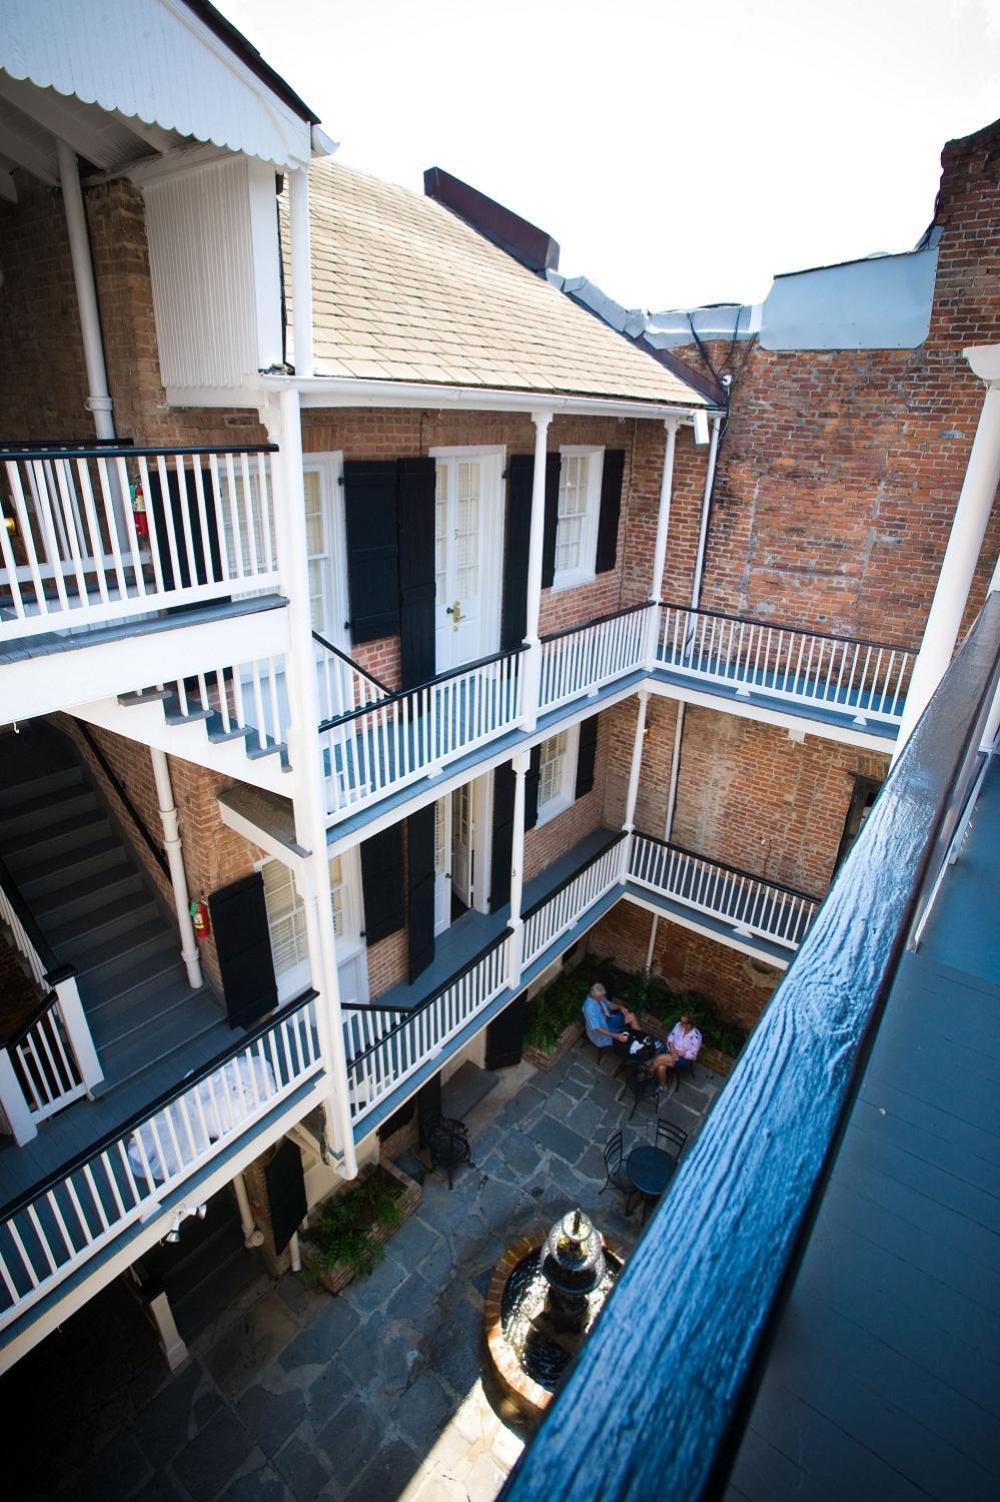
<point>660,545</point>
<point>13,1104</point>
<point>175,860</point>
<point>520,764</point>
<point>532,657</point>
<point>78,1032</point>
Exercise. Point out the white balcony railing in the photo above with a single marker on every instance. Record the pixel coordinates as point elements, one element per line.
<point>63,1223</point>
<point>583,659</point>
<point>750,905</point>
<point>384,745</point>
<point>94,535</point>
<point>561,910</point>
<point>861,678</point>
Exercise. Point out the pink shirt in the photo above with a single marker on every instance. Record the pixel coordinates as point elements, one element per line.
<point>687,1044</point>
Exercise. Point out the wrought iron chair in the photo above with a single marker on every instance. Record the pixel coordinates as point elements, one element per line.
<point>669,1138</point>
<point>614,1166</point>
<point>447,1141</point>
<point>640,1085</point>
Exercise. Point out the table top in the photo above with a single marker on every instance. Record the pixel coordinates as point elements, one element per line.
<point>650,1169</point>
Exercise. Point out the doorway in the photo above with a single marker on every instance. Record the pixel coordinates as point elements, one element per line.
<point>467,537</point>
<point>462,834</point>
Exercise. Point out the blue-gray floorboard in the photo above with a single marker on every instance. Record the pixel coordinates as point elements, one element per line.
<point>76,637</point>
<point>820,713</point>
<point>885,1376</point>
<point>714,927</point>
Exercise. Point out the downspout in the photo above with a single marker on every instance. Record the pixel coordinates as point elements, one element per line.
<point>98,400</point>
<point>175,862</point>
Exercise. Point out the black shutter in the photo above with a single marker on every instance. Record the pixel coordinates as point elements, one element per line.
<point>417,482</point>
<point>514,610</point>
<point>586,756</point>
<point>531,781</point>
<point>552,466</point>
<point>205,571</point>
<point>420,882</point>
<point>286,1193</point>
<point>243,945</point>
<point>611,505</point>
<point>382,883</point>
<point>505,1035</point>
<point>503,836</point>
<point>370,511</point>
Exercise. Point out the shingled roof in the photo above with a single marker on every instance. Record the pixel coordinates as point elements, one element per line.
<point>405,291</point>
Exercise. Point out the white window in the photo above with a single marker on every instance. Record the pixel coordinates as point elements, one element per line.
<point>557,773</point>
<point>286,921</point>
<point>579,511</point>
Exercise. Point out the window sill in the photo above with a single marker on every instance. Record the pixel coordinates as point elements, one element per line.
<point>552,810</point>
<point>571,581</point>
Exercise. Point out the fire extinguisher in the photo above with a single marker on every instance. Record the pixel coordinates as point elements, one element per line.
<point>201,920</point>
<point>139,511</point>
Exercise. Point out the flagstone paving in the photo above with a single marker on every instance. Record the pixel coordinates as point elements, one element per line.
<point>372,1396</point>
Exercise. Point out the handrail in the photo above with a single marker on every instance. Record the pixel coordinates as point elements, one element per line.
<point>29,923</point>
<point>614,838</point>
<point>155,851</point>
<point>429,1000</point>
<point>711,860</point>
<point>46,1004</point>
<point>398,695</point>
<point>352,664</point>
<point>749,620</point>
<point>153,1107</point>
<point>90,450</point>
<point>33,445</point>
<point>727,1247</point>
<point>598,620</point>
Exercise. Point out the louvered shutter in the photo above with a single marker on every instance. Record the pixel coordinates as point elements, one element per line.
<point>416,494</point>
<point>382,883</point>
<point>611,505</point>
<point>552,467</point>
<point>503,836</point>
<point>370,511</point>
<point>586,756</point>
<point>420,884</point>
<point>531,781</point>
<point>505,1035</point>
<point>243,946</point>
<point>517,539</point>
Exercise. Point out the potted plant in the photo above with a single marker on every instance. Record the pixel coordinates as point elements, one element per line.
<point>347,1234</point>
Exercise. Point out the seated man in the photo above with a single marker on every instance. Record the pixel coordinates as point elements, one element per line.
<point>606,1025</point>
<point>682,1048</point>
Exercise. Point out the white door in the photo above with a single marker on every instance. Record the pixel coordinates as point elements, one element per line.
<point>463,835</point>
<point>442,864</point>
<point>467,565</point>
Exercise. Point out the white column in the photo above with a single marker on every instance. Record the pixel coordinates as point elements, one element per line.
<point>175,863</point>
<point>98,397</point>
<point>312,872</point>
<point>520,765</point>
<point>531,659</point>
<point>302,305</point>
<point>660,545</point>
<point>78,1031</point>
<point>13,1104</point>
<point>633,781</point>
<point>675,767</point>
<point>964,545</point>
<point>706,507</point>
<point>174,1349</point>
<point>252,1234</point>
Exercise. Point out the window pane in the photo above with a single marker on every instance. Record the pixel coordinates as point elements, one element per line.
<point>572,511</point>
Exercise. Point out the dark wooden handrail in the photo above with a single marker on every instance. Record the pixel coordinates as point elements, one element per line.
<point>122,450</point>
<point>29,923</point>
<point>46,1004</point>
<point>614,838</point>
<point>406,693</point>
<point>317,637</point>
<point>13,448</point>
<point>710,860</point>
<point>598,620</point>
<point>141,827</point>
<point>749,620</point>
<point>720,1255</point>
<point>159,1103</point>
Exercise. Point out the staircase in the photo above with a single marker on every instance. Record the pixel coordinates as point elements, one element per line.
<point>92,902</point>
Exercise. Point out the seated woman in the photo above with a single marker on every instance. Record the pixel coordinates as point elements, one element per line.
<point>682,1048</point>
<point>606,1024</point>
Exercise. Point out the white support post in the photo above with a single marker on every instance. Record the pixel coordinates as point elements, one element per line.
<point>631,797</point>
<point>651,946</point>
<point>174,1349</point>
<point>13,1105</point>
<point>78,1032</point>
<point>253,1236</point>
<point>964,545</point>
<point>175,863</point>
<point>302,307</point>
<point>706,507</point>
<point>660,545</point>
<point>675,767</point>
<point>98,399</point>
<point>520,764</point>
<point>531,659</point>
<point>312,872</point>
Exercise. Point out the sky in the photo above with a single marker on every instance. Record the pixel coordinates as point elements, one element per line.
<point>680,153</point>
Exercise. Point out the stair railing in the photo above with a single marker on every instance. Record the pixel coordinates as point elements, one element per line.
<point>344,685</point>
<point>51,1061</point>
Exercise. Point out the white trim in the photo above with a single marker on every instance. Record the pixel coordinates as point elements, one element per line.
<point>731,940</point>
<point>585,573</point>
<point>329,465</point>
<point>566,796</point>
<point>468,451</point>
<point>492,502</point>
<point>846,734</point>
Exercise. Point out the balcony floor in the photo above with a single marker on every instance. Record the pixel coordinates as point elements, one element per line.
<point>885,1377</point>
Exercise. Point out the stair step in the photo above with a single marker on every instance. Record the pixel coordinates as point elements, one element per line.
<point>34,814</point>
<point>178,1029</point>
<point>27,848</point>
<point>117,989</point>
<point>216,730</point>
<point>112,956</point>
<point>48,783</point>
<point>144,696</point>
<point>112,920</point>
<point>43,879</point>
<point>141,1011</point>
<point>86,895</point>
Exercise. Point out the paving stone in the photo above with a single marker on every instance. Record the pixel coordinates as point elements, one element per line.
<point>499,1201</point>
<point>371,1290</point>
<point>413,1241</point>
<point>333,1322</point>
<point>560,1139</point>
<point>438,1265</point>
<point>302,1469</point>
<point>249,1343</point>
<point>269,1417</point>
<point>170,1420</point>
<point>215,1456</point>
<point>362,1356</point>
<point>399,1357</point>
<point>262,1485</point>
<point>334,1384</point>
<point>528,1099</point>
<point>297,1295</point>
<point>456,1353</point>
<point>118,1470</point>
<point>160,1488</point>
<point>413,1300</point>
<point>387,1475</point>
<point>586,1118</point>
<point>423,1409</point>
<point>592,1164</point>
<point>350,1440</point>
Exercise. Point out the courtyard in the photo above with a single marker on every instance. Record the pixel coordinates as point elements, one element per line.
<point>375,1394</point>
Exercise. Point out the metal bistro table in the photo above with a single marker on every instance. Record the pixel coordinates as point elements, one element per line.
<point>650,1170</point>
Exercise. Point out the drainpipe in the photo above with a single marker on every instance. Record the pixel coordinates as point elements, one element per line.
<point>175,862</point>
<point>99,398</point>
<point>660,545</point>
<point>675,767</point>
<point>531,659</point>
